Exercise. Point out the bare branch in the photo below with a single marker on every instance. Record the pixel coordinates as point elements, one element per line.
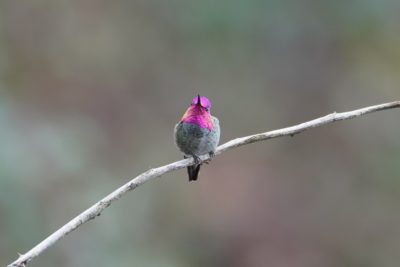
<point>97,208</point>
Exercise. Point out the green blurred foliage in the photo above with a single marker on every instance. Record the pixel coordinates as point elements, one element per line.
<point>89,95</point>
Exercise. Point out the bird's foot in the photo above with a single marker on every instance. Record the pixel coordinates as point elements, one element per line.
<point>196,159</point>
<point>212,155</point>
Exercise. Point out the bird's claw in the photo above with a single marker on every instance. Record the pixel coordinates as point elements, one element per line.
<point>211,155</point>
<point>196,159</point>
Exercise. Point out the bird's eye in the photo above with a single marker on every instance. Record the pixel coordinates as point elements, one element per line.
<point>207,109</point>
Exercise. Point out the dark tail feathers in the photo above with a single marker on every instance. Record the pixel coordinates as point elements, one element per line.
<point>193,172</point>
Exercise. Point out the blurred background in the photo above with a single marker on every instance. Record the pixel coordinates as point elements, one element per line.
<point>90,92</point>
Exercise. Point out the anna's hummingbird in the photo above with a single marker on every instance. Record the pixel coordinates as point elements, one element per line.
<point>197,133</point>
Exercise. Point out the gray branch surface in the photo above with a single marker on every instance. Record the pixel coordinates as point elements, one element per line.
<point>97,208</point>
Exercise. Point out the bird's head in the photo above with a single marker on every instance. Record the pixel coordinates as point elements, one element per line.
<point>199,112</point>
<point>201,103</point>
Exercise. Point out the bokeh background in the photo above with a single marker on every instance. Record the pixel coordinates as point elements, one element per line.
<point>90,92</point>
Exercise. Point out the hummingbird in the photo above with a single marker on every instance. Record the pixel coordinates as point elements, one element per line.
<point>197,133</point>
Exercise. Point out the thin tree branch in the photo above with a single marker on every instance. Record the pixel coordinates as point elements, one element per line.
<point>97,208</point>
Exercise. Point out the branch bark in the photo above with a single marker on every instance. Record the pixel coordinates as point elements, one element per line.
<point>97,208</point>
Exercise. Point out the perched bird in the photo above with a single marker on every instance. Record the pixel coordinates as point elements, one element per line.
<point>197,133</point>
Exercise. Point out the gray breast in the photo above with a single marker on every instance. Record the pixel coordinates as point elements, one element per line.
<point>191,139</point>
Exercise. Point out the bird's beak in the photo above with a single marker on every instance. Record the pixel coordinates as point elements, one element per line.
<point>198,100</point>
